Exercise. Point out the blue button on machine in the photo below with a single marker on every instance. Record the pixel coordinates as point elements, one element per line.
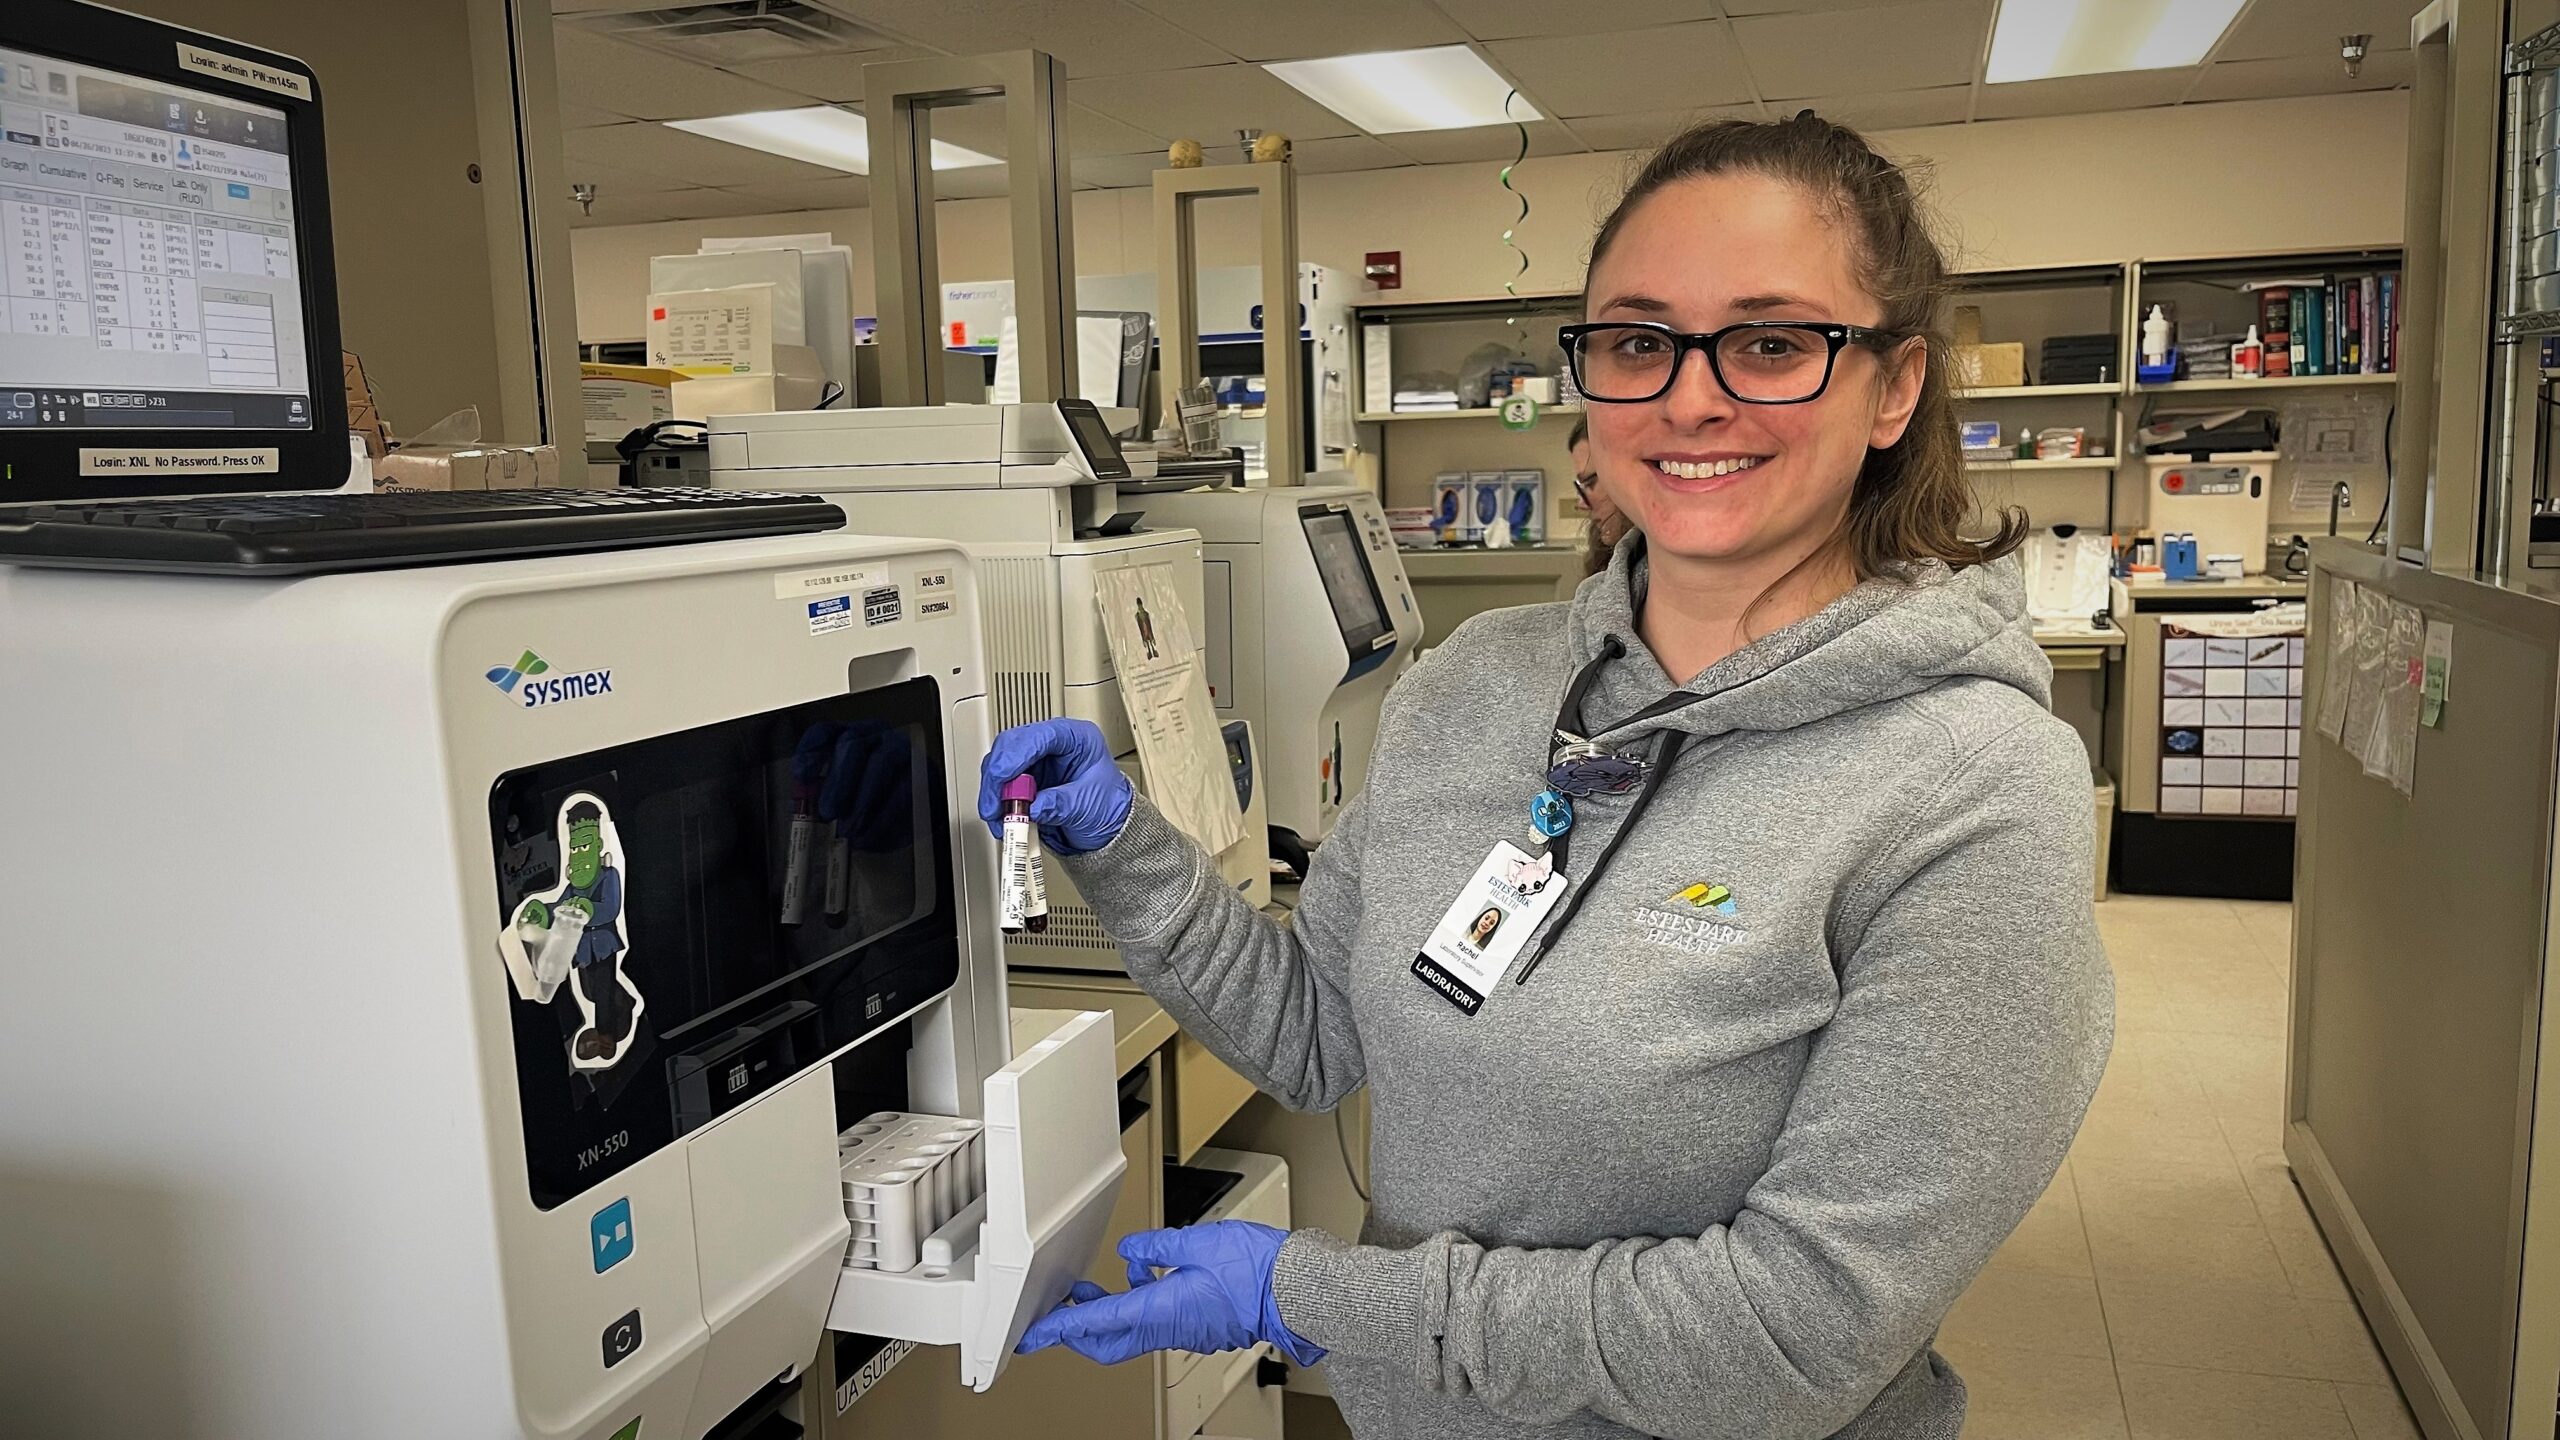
<point>610,1233</point>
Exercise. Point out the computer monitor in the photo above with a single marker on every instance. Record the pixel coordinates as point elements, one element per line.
<point>168,302</point>
<point>1349,585</point>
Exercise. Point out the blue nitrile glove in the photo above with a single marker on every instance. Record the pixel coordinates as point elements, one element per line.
<point>1215,1295</point>
<point>1083,800</point>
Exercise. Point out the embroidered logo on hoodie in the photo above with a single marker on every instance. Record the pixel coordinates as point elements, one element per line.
<point>1704,896</point>
<point>1696,921</point>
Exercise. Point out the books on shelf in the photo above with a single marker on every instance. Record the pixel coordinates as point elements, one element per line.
<point>2329,324</point>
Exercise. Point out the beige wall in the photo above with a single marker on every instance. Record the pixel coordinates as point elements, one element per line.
<point>2205,179</point>
<point>415,284</point>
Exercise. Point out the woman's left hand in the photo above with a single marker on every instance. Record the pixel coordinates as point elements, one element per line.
<point>1215,1295</point>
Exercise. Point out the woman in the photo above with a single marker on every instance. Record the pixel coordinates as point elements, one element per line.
<point>1805,1014</point>
<point>1602,531</point>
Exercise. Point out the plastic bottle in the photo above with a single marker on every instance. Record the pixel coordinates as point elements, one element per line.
<point>1025,906</point>
<point>2155,338</point>
<point>2249,357</point>
<point>2026,443</point>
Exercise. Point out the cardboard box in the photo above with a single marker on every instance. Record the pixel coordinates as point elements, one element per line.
<point>469,467</point>
<point>363,419</point>
<point>1985,367</point>
<point>619,399</point>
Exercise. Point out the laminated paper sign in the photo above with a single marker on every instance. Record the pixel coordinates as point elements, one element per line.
<point>1168,700</point>
<point>2338,668</point>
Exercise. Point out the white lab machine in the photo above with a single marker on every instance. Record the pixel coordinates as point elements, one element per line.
<point>2222,500</point>
<point>1031,491</point>
<point>1230,322</point>
<point>447,990</point>
<point>812,278</point>
<point>1310,620</point>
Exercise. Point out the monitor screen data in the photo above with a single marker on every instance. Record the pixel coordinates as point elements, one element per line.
<point>148,271</point>
<point>1345,572</point>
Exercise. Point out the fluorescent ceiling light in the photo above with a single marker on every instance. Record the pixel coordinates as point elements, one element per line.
<point>2040,39</point>
<point>820,135</point>
<point>1447,87</point>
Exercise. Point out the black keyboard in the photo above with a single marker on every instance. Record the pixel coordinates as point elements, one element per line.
<point>302,534</point>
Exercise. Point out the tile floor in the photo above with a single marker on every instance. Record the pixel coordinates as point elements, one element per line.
<point>2171,1286</point>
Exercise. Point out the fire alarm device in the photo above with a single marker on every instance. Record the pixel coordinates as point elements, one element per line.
<point>1384,269</point>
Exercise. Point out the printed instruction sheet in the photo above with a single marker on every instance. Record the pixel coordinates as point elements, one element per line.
<point>1168,698</point>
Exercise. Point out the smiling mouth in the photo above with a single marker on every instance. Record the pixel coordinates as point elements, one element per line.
<point>1705,469</point>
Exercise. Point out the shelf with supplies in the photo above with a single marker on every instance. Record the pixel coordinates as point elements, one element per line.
<point>1492,412</point>
<point>2269,382</point>
<point>2037,392</point>
<point>2316,312</point>
<point>2015,466</point>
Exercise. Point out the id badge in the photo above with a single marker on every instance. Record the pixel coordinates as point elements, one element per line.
<point>1486,926</point>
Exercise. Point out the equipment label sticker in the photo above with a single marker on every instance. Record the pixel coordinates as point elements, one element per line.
<point>161,463</point>
<point>830,615</point>
<point>803,584</point>
<point>933,595</point>
<point>881,606</point>
<point>244,72</point>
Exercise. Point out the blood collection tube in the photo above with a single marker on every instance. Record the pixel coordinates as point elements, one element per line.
<point>1026,892</point>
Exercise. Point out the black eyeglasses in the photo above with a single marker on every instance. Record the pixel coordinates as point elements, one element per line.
<point>1758,362</point>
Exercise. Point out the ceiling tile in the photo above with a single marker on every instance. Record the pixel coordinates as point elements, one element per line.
<point>2082,94</point>
<point>1117,172</point>
<point>1848,52</point>
<point>1511,19</point>
<point>828,77</point>
<point>1090,132</point>
<point>1347,152</point>
<point>617,180</point>
<point>1482,143</point>
<point>2272,28</point>
<point>1644,132</point>
<point>1671,67</point>
<point>580,117</point>
<point>1303,28</point>
<point>1089,37</point>
<point>851,192</point>
<point>1740,8</point>
<point>700,204</point>
<point>2304,75</point>
<point>1209,104</point>
<point>602,74</point>
<point>660,151</point>
<point>1890,109</point>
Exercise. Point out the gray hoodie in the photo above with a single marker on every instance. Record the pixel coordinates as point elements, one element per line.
<point>1710,1173</point>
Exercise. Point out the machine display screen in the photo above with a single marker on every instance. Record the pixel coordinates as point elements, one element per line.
<point>1093,437</point>
<point>1358,608</point>
<point>149,275</point>
<point>691,920</point>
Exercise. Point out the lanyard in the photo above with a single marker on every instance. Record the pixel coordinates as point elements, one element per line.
<point>1576,767</point>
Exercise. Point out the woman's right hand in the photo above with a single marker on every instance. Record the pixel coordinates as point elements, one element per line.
<point>1083,800</point>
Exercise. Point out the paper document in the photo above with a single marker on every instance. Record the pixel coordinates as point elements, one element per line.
<point>2439,682</point>
<point>2391,750</point>
<point>713,332</point>
<point>1098,351</point>
<point>2337,661</point>
<point>2364,683</point>
<point>1184,758</point>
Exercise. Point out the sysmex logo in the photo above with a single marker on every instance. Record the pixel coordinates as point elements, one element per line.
<point>524,680</point>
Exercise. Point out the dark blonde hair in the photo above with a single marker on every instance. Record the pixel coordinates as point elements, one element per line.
<point>1912,499</point>
<point>1599,537</point>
